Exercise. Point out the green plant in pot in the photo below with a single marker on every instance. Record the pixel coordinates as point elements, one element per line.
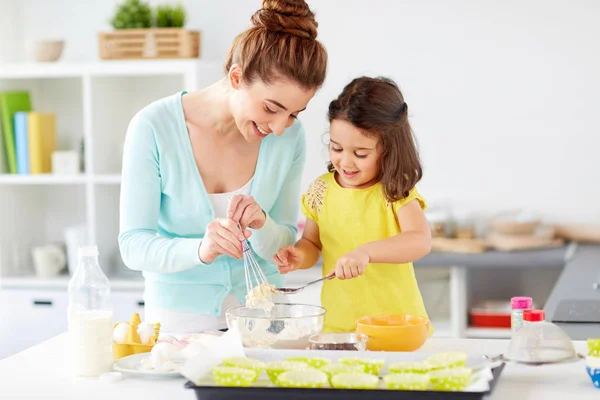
<point>132,14</point>
<point>168,16</point>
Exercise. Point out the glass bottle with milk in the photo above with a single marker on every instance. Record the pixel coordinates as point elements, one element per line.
<point>90,316</point>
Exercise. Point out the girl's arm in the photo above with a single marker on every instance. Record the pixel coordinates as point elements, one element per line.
<point>412,244</point>
<point>304,254</point>
<point>309,245</point>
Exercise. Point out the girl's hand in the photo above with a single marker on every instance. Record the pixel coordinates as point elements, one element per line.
<point>245,210</point>
<point>222,236</point>
<point>352,264</point>
<point>288,259</point>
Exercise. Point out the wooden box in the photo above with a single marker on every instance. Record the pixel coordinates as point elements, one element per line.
<point>151,43</point>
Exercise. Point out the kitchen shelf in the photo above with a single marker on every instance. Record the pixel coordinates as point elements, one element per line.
<point>61,282</point>
<point>42,179</point>
<point>94,104</point>
<point>49,179</point>
<point>103,68</point>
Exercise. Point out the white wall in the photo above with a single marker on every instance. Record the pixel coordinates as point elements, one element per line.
<point>502,94</point>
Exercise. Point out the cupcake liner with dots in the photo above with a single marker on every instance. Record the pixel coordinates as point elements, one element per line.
<point>372,366</point>
<point>415,367</point>
<point>315,362</point>
<point>233,376</point>
<point>276,368</point>
<point>310,378</point>
<point>355,380</point>
<point>451,379</point>
<point>594,347</point>
<point>245,362</point>
<point>449,359</point>
<point>407,381</point>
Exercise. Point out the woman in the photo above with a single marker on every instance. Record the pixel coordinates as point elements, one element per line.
<point>197,164</point>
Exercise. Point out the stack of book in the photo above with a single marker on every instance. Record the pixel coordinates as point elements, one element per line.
<point>28,137</point>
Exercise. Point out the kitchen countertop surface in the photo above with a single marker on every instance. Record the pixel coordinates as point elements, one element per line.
<point>42,372</point>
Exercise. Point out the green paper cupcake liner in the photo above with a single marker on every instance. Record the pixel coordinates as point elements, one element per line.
<point>407,381</point>
<point>450,380</point>
<point>372,366</point>
<point>450,359</point>
<point>245,362</point>
<point>315,362</point>
<point>415,367</point>
<point>276,368</point>
<point>594,347</point>
<point>310,378</point>
<point>233,376</point>
<point>355,380</point>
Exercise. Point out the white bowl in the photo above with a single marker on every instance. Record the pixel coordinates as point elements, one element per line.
<point>47,50</point>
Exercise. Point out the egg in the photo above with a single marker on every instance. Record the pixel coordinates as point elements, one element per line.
<point>120,332</point>
<point>146,331</point>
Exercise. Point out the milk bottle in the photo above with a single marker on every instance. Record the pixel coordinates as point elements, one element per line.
<point>90,316</point>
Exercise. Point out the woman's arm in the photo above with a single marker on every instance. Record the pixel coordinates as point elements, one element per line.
<point>412,244</point>
<point>141,247</point>
<point>280,227</point>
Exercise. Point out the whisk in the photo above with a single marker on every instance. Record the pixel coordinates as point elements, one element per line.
<point>259,292</point>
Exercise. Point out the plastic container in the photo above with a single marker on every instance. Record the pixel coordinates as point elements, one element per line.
<point>491,314</point>
<point>133,344</point>
<point>518,305</point>
<point>540,342</point>
<point>89,316</point>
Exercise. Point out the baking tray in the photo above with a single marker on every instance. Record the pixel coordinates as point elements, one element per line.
<point>207,391</point>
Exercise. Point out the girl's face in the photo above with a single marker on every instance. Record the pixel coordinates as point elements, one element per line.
<point>260,109</point>
<point>354,155</point>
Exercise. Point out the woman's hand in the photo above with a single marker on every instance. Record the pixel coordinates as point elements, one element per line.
<point>222,236</point>
<point>246,211</point>
<point>352,264</point>
<point>288,259</point>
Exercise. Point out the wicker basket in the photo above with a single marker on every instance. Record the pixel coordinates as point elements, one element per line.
<point>149,43</point>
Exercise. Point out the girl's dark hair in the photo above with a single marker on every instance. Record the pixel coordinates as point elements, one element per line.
<point>281,43</point>
<point>376,107</point>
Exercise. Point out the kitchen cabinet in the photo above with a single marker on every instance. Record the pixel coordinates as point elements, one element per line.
<point>31,316</point>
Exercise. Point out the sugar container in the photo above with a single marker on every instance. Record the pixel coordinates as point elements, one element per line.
<point>518,305</point>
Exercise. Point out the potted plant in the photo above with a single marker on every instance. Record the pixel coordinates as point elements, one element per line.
<point>141,31</point>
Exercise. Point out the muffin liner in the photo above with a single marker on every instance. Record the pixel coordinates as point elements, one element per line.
<point>310,378</point>
<point>407,381</point>
<point>233,376</point>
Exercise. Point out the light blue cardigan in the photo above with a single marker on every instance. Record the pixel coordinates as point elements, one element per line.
<point>164,210</point>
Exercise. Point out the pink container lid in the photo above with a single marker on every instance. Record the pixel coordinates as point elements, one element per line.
<point>521,303</point>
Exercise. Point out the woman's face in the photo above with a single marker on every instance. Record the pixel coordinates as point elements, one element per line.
<point>260,109</point>
<point>354,155</point>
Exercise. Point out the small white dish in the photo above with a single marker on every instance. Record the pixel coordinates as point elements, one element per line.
<point>132,365</point>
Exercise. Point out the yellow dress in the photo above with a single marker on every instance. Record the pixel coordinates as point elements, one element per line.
<point>348,218</point>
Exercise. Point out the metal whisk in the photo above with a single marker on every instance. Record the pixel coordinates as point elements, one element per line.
<point>256,281</point>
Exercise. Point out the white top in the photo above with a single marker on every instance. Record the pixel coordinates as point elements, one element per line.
<point>174,322</point>
<point>47,364</point>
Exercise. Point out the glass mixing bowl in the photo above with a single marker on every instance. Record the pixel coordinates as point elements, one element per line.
<point>287,326</point>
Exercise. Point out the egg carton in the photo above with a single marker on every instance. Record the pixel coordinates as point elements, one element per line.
<point>133,343</point>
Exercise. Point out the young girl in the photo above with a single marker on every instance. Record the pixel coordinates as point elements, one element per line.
<point>365,216</point>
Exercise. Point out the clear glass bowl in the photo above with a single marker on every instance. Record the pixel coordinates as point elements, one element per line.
<point>287,326</point>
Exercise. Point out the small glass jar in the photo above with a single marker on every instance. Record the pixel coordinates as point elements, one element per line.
<point>519,305</point>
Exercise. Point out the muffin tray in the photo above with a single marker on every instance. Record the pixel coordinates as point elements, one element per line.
<point>264,390</point>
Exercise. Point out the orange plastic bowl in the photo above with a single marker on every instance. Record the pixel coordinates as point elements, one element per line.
<point>394,332</point>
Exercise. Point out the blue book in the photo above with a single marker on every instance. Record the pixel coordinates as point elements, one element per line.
<point>21,142</point>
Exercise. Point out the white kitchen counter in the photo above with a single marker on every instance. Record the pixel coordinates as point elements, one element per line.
<point>42,372</point>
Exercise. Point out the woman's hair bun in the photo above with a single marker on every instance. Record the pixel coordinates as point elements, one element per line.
<point>287,16</point>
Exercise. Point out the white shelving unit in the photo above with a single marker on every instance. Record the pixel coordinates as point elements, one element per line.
<point>93,102</point>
